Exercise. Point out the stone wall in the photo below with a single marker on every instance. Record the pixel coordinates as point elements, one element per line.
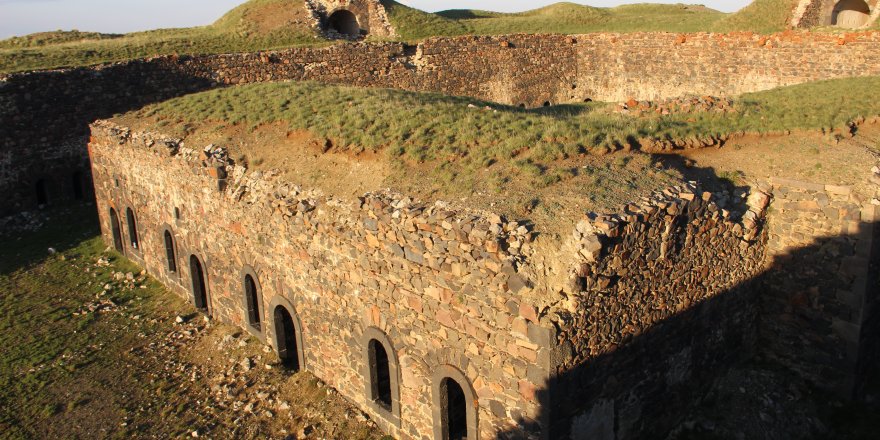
<point>820,289</point>
<point>813,13</point>
<point>371,15</point>
<point>660,302</point>
<point>442,285</point>
<point>44,115</point>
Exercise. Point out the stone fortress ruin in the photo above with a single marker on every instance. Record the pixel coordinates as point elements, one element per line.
<point>453,323</point>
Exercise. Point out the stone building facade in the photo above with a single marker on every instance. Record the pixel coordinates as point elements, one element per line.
<point>350,19</point>
<point>435,320</point>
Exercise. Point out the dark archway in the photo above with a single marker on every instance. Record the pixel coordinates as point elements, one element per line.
<point>850,14</point>
<point>252,301</point>
<point>344,22</point>
<point>77,184</point>
<point>41,192</point>
<point>170,255</point>
<point>286,338</point>
<point>116,230</point>
<point>199,285</point>
<point>453,411</point>
<point>132,229</point>
<point>380,375</point>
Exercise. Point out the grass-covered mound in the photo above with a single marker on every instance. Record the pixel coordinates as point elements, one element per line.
<point>763,16</point>
<point>255,25</point>
<point>566,18</point>
<point>454,148</point>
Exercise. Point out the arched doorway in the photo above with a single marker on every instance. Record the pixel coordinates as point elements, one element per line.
<point>199,286</point>
<point>285,338</point>
<point>454,410</point>
<point>344,22</point>
<point>850,14</point>
<point>76,182</point>
<point>115,229</point>
<point>42,192</point>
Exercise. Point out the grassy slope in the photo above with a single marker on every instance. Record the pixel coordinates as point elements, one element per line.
<point>567,18</point>
<point>255,25</point>
<point>763,16</point>
<point>130,372</point>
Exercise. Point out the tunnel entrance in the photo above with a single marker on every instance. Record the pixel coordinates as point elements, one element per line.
<point>344,22</point>
<point>850,14</point>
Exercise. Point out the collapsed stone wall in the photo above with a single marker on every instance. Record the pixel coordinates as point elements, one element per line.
<point>661,300</point>
<point>441,285</point>
<point>44,115</point>
<point>817,303</point>
<point>372,18</point>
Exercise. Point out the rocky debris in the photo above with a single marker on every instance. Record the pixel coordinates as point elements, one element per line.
<point>682,105</point>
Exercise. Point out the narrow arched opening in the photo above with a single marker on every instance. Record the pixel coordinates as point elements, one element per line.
<point>453,411</point>
<point>344,22</point>
<point>42,192</point>
<point>380,375</point>
<point>199,284</point>
<point>252,301</point>
<point>285,338</point>
<point>170,257</point>
<point>132,229</point>
<point>77,184</point>
<point>115,230</point>
<point>850,14</point>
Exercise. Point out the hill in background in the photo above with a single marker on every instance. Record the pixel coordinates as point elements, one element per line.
<point>275,24</point>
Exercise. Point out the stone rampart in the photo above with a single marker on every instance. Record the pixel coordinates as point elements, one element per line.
<point>43,114</point>
<point>602,335</point>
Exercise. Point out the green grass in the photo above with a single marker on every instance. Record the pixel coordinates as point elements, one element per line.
<point>563,18</point>
<point>256,25</point>
<point>762,16</point>
<point>429,127</point>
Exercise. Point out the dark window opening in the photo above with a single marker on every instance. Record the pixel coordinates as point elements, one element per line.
<point>177,213</point>
<point>252,299</point>
<point>200,289</point>
<point>116,181</point>
<point>454,410</point>
<point>132,228</point>
<point>285,339</point>
<point>380,374</point>
<point>42,192</point>
<point>546,103</point>
<point>76,182</point>
<point>521,105</point>
<point>169,252</point>
<point>344,22</point>
<point>114,227</point>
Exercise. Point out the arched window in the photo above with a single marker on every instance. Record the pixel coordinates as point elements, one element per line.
<point>252,301</point>
<point>76,182</point>
<point>115,229</point>
<point>455,405</point>
<point>380,375</point>
<point>850,14</point>
<point>42,192</point>
<point>132,229</point>
<point>169,252</point>
<point>199,285</point>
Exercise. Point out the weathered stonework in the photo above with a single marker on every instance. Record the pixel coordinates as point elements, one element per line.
<point>852,14</point>
<point>603,335</point>
<point>371,17</point>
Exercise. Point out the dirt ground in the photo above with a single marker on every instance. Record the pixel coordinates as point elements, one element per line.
<point>92,348</point>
